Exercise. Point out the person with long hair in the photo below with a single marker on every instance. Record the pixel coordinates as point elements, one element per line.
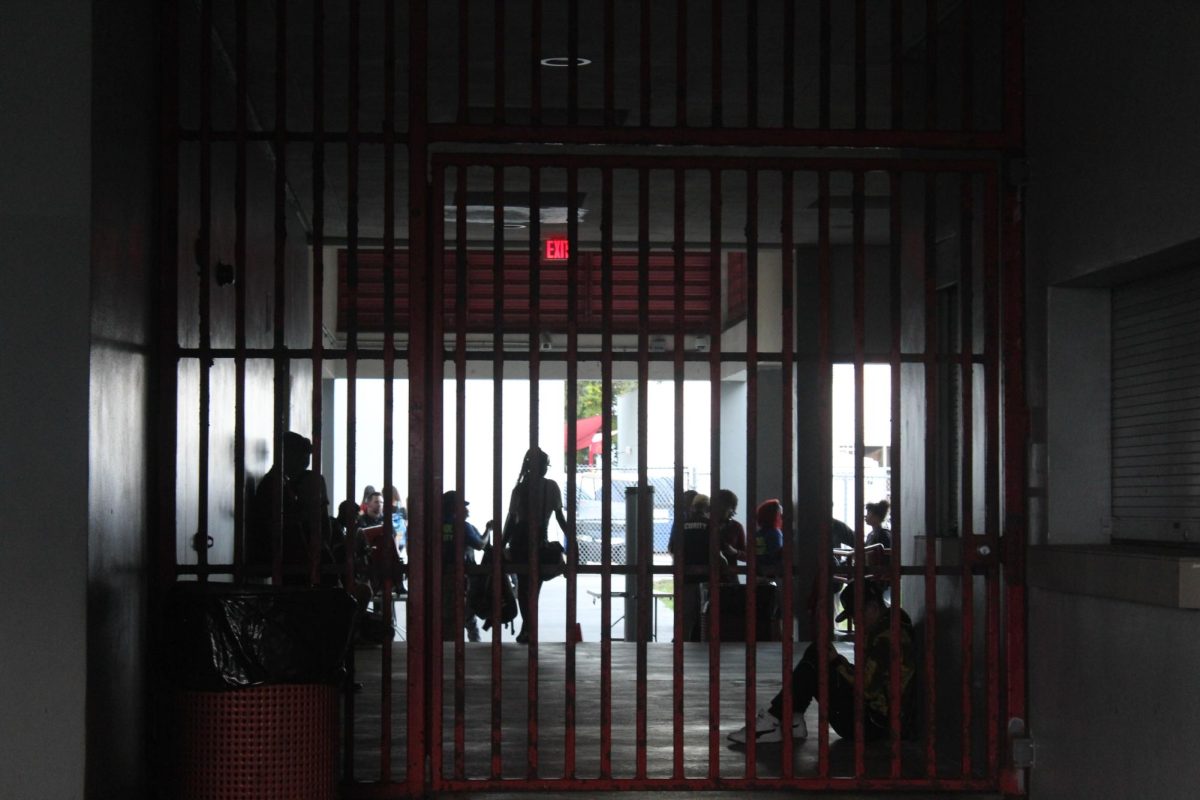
<point>533,500</point>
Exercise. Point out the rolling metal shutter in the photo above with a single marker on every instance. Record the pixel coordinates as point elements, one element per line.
<point>1156,408</point>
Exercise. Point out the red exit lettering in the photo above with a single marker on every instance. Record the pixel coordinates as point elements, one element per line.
<point>557,249</point>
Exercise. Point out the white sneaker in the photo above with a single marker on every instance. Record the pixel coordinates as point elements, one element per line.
<point>768,728</point>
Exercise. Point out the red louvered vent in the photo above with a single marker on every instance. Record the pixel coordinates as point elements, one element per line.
<point>478,300</point>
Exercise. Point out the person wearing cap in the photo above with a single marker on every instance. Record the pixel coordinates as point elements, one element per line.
<point>768,537</point>
<point>876,620</point>
<point>471,541</point>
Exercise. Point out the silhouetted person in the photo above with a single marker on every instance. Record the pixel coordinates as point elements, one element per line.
<point>290,499</point>
<point>876,675</point>
<point>533,500</point>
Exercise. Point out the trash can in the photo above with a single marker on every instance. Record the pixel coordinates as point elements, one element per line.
<point>252,679</point>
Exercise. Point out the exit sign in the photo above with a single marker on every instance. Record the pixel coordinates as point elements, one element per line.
<point>557,249</point>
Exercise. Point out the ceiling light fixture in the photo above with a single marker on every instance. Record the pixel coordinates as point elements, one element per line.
<point>564,61</point>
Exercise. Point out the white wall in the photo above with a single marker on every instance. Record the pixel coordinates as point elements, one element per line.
<point>45,90</point>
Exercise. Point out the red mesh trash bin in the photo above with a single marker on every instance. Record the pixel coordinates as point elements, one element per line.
<point>274,742</point>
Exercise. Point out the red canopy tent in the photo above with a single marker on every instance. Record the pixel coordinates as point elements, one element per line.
<point>586,438</point>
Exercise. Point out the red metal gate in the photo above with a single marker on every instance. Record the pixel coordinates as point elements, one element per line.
<point>434,176</point>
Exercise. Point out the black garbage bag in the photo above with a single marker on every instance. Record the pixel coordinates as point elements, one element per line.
<point>225,637</point>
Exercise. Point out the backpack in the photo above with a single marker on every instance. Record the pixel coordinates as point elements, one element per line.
<point>479,593</point>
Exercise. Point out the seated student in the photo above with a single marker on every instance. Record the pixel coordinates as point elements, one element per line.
<point>876,676</point>
<point>768,538</point>
<point>304,527</point>
<point>471,541</point>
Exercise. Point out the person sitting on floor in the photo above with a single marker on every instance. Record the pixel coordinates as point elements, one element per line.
<point>876,675</point>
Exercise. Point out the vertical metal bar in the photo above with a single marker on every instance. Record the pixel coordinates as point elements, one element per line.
<point>860,64</point>
<point>572,423</point>
<point>752,65</point>
<point>606,403</point>
<point>787,325</point>
<point>718,104</point>
<point>931,492</point>
<point>895,462</point>
<point>535,62</point>
<point>897,53</point>
<point>860,575</point>
<point>681,63</point>
<point>610,26</point>
<point>461,321</point>
<point>968,66</point>
<point>239,314</point>
<point>497,446</point>
<point>282,365</point>
<point>464,63</point>
<point>643,529</point>
<point>751,456</point>
<point>826,69</point>
<point>164,552</point>
<point>1016,427</point>
<point>437,516</point>
<point>389,364</point>
<point>534,505</point>
<point>931,59</point>
<point>789,79</point>
<point>715,261</point>
<point>677,686</point>
<point>573,62</point>
<point>204,254</point>
<point>498,63</point>
<point>1014,73</point>
<point>966,355</point>
<point>352,250</point>
<point>644,69</point>
<point>420,405</point>
<point>991,366</point>
<point>825,448</point>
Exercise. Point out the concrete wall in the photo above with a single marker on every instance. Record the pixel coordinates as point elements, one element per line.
<point>45,183</point>
<point>1113,164</point>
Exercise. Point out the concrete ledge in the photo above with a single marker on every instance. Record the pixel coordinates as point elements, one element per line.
<point>1146,575</point>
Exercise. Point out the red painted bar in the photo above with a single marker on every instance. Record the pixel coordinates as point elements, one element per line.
<point>931,531</point>
<point>716,261</point>
<point>531,555</point>
<point>498,65</point>
<point>991,357</point>
<point>787,436</point>
<point>573,63</point>
<point>421,512</point>
<point>436,576</point>
<point>1014,74</point>
<point>825,69</point>
<point>572,545</point>
<point>204,255</point>
<point>716,162</point>
<point>606,402</point>
<point>1016,431</point>
<point>239,314</point>
<point>318,252</point>
<point>825,446</point>
<point>497,448</point>
<point>643,520</point>
<point>895,461</point>
<point>678,516</point>
<point>966,347</point>
<point>860,321</point>
<point>751,650</point>
<point>460,448</point>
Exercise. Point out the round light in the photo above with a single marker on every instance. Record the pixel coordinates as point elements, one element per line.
<point>564,61</point>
